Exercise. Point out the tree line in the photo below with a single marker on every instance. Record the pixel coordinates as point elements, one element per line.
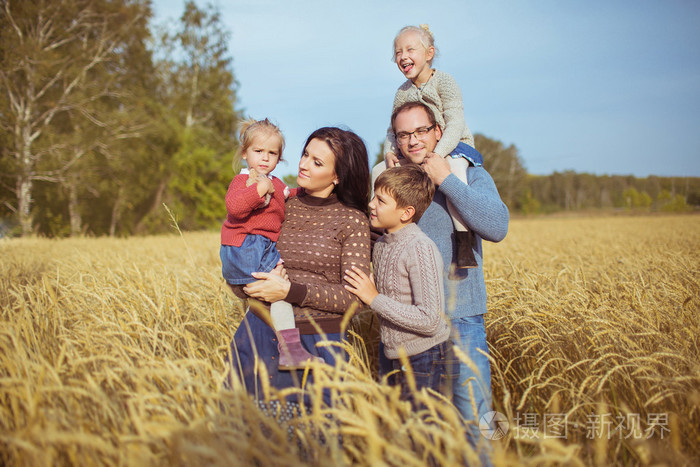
<point>103,120</point>
<point>570,191</point>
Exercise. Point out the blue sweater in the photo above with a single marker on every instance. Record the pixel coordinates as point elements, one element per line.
<point>482,210</point>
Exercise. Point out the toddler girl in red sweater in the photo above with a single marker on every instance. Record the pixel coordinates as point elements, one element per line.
<point>255,211</point>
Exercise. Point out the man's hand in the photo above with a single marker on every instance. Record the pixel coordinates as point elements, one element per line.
<point>361,285</point>
<point>436,167</point>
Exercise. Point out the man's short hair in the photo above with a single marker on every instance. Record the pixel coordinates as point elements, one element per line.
<point>409,185</point>
<point>411,105</point>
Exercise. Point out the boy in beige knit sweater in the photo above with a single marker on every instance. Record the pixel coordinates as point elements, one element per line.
<point>408,295</point>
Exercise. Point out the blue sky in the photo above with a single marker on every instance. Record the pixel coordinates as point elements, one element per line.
<point>605,87</point>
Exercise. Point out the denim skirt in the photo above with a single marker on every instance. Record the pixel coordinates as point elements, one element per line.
<point>256,254</point>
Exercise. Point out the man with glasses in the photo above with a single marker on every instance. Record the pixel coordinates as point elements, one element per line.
<point>481,208</point>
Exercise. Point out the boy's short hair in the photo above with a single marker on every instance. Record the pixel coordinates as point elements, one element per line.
<point>409,185</point>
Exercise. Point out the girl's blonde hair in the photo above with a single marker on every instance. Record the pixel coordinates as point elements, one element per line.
<point>424,34</point>
<point>250,128</point>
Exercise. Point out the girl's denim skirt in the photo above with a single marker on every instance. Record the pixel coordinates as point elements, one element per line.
<point>256,254</point>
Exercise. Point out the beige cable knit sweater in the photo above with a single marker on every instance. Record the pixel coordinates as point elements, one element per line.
<point>411,301</point>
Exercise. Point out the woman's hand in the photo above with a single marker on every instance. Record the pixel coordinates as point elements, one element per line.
<point>269,287</point>
<point>361,285</point>
<point>280,271</point>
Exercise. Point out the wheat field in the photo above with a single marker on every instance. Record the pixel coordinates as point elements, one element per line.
<point>112,352</point>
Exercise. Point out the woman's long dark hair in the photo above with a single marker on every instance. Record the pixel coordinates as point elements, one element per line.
<point>351,165</point>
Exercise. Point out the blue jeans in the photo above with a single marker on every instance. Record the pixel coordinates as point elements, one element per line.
<point>469,334</point>
<point>436,368</point>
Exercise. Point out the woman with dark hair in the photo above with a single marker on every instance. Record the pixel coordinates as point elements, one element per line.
<point>325,233</point>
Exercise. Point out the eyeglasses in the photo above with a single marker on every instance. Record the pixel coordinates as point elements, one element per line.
<point>404,136</point>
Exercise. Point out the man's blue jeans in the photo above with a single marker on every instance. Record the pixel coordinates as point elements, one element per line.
<point>469,334</point>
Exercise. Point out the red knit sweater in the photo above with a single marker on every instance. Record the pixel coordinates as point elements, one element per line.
<point>245,217</point>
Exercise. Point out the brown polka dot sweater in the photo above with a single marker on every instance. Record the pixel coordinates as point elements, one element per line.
<point>320,239</point>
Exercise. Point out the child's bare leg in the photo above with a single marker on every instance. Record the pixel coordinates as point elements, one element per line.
<point>458,166</point>
<point>293,355</point>
<point>282,315</point>
<point>465,254</point>
<point>377,171</point>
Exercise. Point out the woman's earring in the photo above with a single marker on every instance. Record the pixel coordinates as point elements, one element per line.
<point>335,182</point>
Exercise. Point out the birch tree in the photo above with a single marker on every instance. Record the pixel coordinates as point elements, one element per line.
<point>54,56</point>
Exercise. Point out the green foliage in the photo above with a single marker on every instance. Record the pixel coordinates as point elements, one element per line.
<point>119,128</point>
<point>199,185</point>
<point>66,68</point>
<point>505,166</point>
<point>668,202</point>
<point>636,200</point>
<point>290,180</point>
<point>380,155</point>
<point>529,204</point>
<point>198,87</point>
<point>570,191</point>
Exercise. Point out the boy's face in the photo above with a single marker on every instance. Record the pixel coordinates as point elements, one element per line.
<point>384,214</point>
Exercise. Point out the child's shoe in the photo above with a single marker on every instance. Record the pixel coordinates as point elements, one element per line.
<point>465,254</point>
<point>293,356</point>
